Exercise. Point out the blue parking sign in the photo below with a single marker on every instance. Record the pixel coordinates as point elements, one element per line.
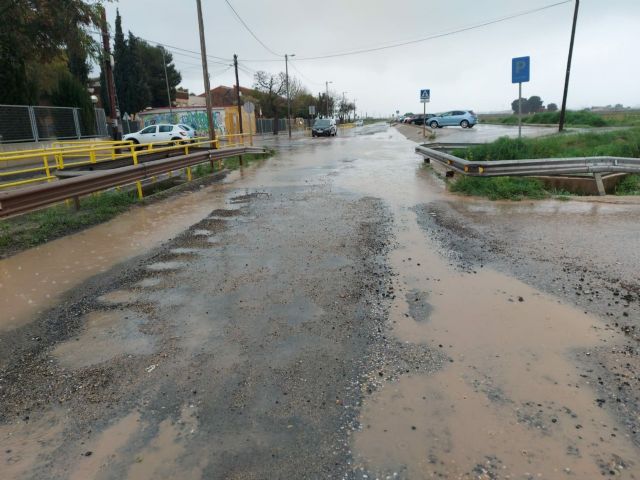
<point>520,69</point>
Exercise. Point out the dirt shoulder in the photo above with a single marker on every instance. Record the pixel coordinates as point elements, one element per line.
<point>584,253</point>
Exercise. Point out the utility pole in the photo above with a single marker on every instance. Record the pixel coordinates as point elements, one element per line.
<point>166,79</point>
<point>566,78</point>
<point>327,95</point>
<point>205,73</point>
<point>235,64</point>
<point>286,68</point>
<point>344,104</point>
<point>108,73</point>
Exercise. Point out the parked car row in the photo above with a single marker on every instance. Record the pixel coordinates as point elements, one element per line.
<point>462,118</point>
<point>162,132</point>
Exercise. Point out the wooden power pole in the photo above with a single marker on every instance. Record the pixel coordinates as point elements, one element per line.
<point>205,73</point>
<point>108,73</point>
<point>566,78</point>
<point>235,65</point>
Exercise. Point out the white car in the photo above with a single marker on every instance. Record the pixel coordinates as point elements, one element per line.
<point>162,133</point>
<point>190,130</point>
<point>359,123</point>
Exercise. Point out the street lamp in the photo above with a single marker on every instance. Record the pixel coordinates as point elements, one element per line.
<point>327,94</point>
<point>286,68</point>
<point>344,103</point>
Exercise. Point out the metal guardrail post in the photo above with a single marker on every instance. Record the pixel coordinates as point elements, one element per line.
<point>45,159</point>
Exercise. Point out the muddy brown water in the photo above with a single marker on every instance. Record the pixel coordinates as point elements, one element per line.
<point>510,403</point>
<point>33,280</point>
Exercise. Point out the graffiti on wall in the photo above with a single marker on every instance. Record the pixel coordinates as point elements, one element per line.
<point>196,119</point>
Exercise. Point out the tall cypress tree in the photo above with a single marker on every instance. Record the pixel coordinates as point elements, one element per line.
<point>138,94</point>
<point>120,63</point>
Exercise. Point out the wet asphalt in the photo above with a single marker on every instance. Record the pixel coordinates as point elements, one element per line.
<point>249,344</point>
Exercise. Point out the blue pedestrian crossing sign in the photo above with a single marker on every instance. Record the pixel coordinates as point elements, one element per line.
<point>520,69</point>
<point>425,95</point>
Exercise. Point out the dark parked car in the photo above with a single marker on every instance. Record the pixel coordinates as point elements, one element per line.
<point>419,119</point>
<point>324,127</point>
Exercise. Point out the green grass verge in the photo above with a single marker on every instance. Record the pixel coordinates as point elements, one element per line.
<point>500,188</point>
<point>573,118</point>
<point>232,163</point>
<point>622,143</point>
<point>629,185</point>
<point>36,228</point>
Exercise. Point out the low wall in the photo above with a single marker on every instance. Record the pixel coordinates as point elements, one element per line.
<point>582,185</point>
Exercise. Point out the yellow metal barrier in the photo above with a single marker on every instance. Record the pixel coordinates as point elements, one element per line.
<point>35,164</point>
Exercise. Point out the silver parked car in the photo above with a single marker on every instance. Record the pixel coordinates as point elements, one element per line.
<point>462,118</point>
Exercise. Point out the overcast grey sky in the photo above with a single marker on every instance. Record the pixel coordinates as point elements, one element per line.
<point>465,70</point>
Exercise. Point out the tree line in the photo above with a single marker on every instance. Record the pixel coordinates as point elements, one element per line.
<point>47,53</point>
<point>533,104</point>
<point>139,73</point>
<point>270,92</point>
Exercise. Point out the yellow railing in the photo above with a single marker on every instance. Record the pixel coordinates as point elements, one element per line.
<point>38,164</point>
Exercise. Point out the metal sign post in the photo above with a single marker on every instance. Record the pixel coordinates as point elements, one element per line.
<point>312,112</point>
<point>520,72</point>
<point>425,96</point>
<point>249,108</point>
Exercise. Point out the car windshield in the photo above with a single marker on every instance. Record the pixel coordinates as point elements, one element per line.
<point>323,122</point>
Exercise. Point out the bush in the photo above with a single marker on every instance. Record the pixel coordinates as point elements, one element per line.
<point>582,118</point>
<point>500,188</point>
<point>622,143</point>
<point>630,185</point>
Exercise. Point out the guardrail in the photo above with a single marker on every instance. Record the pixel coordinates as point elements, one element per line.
<point>22,167</point>
<point>533,167</point>
<point>37,196</point>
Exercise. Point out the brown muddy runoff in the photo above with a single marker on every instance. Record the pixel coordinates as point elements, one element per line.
<point>33,280</point>
<point>511,403</point>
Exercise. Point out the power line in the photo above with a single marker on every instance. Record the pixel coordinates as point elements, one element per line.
<point>185,50</point>
<point>250,31</point>
<point>438,35</point>
<point>180,51</point>
<point>419,40</point>
<point>304,76</point>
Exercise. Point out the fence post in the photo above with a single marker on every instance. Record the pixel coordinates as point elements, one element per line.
<point>76,123</point>
<point>95,117</point>
<point>34,124</point>
<point>47,170</point>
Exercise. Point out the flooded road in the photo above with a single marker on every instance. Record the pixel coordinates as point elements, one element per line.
<point>307,319</point>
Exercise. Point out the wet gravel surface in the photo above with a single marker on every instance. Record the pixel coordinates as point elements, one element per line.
<point>547,254</point>
<point>254,337</point>
<point>250,344</point>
